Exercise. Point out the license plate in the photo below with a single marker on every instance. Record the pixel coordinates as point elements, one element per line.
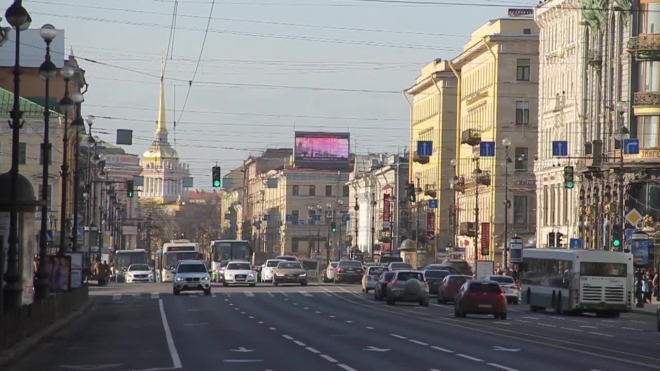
<point>240,279</point>
<point>485,306</point>
<point>350,270</point>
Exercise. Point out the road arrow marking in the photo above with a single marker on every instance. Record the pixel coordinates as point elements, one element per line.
<point>502,349</point>
<point>90,367</point>
<point>242,350</point>
<point>375,349</point>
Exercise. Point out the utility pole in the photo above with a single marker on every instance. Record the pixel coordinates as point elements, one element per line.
<point>373,224</point>
<point>507,204</point>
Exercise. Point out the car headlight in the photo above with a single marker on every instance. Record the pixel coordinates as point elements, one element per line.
<point>251,274</point>
<point>151,275</point>
<point>303,273</point>
<point>206,278</point>
<point>179,278</point>
<point>279,274</point>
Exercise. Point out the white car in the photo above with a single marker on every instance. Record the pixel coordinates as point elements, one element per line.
<point>139,273</point>
<point>508,285</point>
<point>267,269</point>
<point>241,273</point>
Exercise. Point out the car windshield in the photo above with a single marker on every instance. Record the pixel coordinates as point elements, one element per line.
<point>376,270</point>
<point>457,279</point>
<point>288,258</point>
<point>501,279</point>
<point>334,265</point>
<point>405,276</point>
<point>273,263</point>
<point>436,274</point>
<point>191,268</point>
<point>351,264</point>
<point>289,265</point>
<point>138,267</point>
<point>239,267</point>
<point>401,266</point>
<point>485,287</point>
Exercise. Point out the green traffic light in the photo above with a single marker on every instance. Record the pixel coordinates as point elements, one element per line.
<point>616,242</point>
<point>569,185</point>
<point>216,183</point>
<point>130,194</point>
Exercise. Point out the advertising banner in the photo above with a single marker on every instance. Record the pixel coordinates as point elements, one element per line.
<point>387,204</point>
<point>640,251</point>
<point>76,269</point>
<point>430,225</point>
<point>321,149</point>
<point>485,240</point>
<point>59,272</point>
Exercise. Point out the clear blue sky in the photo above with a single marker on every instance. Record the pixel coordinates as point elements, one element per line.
<point>230,114</point>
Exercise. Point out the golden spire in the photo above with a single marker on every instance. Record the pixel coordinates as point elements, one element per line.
<point>161,127</point>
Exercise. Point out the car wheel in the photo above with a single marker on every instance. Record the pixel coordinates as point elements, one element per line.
<point>225,284</point>
<point>207,292</point>
<point>424,302</point>
<point>378,298</point>
<point>515,301</point>
<point>275,283</point>
<point>503,316</point>
<point>176,292</point>
<point>253,285</point>
<point>303,284</point>
<point>390,300</point>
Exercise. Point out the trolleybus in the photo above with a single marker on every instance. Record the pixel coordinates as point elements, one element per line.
<point>223,250</point>
<point>124,258</point>
<point>172,253</point>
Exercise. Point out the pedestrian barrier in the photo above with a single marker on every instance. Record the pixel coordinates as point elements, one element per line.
<point>17,324</point>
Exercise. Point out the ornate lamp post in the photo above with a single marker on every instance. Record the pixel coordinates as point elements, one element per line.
<point>66,104</point>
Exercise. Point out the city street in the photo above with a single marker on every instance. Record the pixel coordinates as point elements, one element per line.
<point>330,327</point>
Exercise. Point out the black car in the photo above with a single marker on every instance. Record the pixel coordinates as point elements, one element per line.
<point>442,267</point>
<point>434,277</point>
<point>380,291</point>
<point>350,271</point>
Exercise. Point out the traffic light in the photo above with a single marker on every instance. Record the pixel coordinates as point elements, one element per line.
<point>616,237</point>
<point>410,192</point>
<point>558,237</point>
<point>333,227</point>
<point>129,189</point>
<point>216,177</point>
<point>551,240</point>
<point>569,177</point>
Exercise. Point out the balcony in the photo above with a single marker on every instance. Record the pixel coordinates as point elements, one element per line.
<point>651,98</point>
<point>645,47</point>
<point>420,159</point>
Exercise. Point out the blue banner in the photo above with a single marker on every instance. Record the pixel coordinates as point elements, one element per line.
<point>640,251</point>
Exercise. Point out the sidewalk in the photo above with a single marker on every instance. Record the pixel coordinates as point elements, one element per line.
<point>649,309</point>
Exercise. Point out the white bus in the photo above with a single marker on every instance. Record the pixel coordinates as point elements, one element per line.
<point>172,253</point>
<point>223,250</point>
<point>124,258</point>
<point>595,281</point>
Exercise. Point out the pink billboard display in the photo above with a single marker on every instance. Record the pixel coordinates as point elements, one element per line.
<point>322,146</point>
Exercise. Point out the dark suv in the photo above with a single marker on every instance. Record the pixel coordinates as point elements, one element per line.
<point>350,271</point>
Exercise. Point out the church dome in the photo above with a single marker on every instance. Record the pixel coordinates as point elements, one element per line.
<point>159,151</point>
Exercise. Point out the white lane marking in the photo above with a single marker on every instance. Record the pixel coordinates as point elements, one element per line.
<point>287,337</point>
<point>631,320</point>
<point>176,361</point>
<point>300,343</point>
<point>600,334</point>
<point>530,317</point>
<point>116,297</point>
<point>271,294</point>
<point>328,294</point>
<point>317,312</point>
<point>519,320</point>
<point>469,357</point>
<point>417,342</point>
<point>442,349</point>
<point>260,322</point>
<point>369,328</point>
<point>313,350</point>
<point>593,327</point>
<point>272,328</point>
<point>251,317</point>
<point>502,367</point>
<point>305,293</point>
<point>345,367</point>
<point>237,308</point>
<point>295,303</point>
<point>227,300</point>
<point>242,312</point>
<point>398,336</point>
<point>631,328</point>
<point>248,294</point>
<point>332,316</point>
<point>214,296</point>
<point>349,321</point>
<point>230,304</point>
<point>571,329</point>
<point>328,358</point>
<point>501,323</point>
<point>578,321</point>
<point>545,324</point>
<point>155,295</point>
<point>284,293</point>
<point>305,308</point>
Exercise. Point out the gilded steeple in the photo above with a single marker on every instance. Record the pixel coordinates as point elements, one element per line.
<point>161,126</point>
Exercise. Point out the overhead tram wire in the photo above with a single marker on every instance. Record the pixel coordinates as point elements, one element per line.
<point>199,62</point>
<point>170,42</point>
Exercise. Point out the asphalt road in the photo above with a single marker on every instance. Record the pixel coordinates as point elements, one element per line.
<point>327,327</point>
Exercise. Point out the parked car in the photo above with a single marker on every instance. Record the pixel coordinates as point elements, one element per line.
<point>408,286</point>
<point>450,287</point>
<point>480,297</point>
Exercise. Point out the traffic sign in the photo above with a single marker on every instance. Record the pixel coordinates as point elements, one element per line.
<point>559,148</point>
<point>515,246</point>
<point>576,243</point>
<point>487,149</point>
<point>433,203</point>
<point>634,217</point>
<point>424,148</point>
<point>631,146</point>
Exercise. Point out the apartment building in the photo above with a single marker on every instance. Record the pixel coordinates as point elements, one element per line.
<point>497,76</point>
<point>433,119</point>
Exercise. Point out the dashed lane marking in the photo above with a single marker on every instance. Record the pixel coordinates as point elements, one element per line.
<point>248,294</point>
<point>305,293</point>
<point>469,357</point>
<point>328,358</point>
<point>298,342</point>
<point>442,349</point>
<point>345,367</point>
<point>155,295</point>
<point>502,367</point>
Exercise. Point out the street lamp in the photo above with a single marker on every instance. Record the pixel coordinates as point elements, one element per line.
<point>506,142</point>
<point>356,208</point>
<point>620,134</point>
<point>66,104</point>
<point>476,174</point>
<point>79,126</point>
<point>47,70</point>
<point>373,224</point>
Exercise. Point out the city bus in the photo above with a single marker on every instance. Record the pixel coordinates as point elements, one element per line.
<point>577,281</point>
<point>124,258</point>
<point>229,250</point>
<point>173,252</point>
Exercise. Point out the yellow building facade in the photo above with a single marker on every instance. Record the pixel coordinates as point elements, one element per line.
<point>497,102</point>
<point>432,103</point>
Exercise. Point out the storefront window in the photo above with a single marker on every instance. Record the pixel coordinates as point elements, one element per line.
<point>650,16</point>
<point>648,131</point>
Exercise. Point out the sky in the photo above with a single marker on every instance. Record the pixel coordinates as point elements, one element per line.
<point>264,69</point>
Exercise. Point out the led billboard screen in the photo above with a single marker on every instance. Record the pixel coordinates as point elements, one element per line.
<point>322,147</point>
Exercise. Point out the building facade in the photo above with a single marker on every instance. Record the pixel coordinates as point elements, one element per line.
<point>498,95</point>
<point>433,119</point>
<point>563,60</point>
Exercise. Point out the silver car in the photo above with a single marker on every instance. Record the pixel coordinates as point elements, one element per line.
<point>329,272</point>
<point>370,278</point>
<point>267,269</point>
<point>408,286</point>
<point>191,275</point>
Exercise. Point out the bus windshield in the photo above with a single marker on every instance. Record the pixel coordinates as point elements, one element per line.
<point>123,260</point>
<point>603,269</point>
<point>231,250</point>
<point>171,259</point>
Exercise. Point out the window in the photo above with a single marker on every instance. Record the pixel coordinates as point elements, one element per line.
<point>523,69</point>
<point>522,112</point>
<point>312,190</point>
<point>648,131</point>
<point>294,246</point>
<point>522,158</point>
<point>50,156</point>
<point>527,31</point>
<point>295,216</point>
<point>328,191</point>
<point>649,18</point>
<point>311,216</point>
<point>50,194</point>
<point>649,76</point>
<point>520,210</point>
<point>345,192</point>
<point>22,153</point>
<point>295,190</point>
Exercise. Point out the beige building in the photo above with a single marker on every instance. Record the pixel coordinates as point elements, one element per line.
<point>498,97</point>
<point>433,119</point>
<point>30,155</point>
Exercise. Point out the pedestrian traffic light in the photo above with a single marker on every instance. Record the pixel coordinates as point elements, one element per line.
<point>558,238</point>
<point>569,177</point>
<point>333,227</point>
<point>551,240</point>
<point>216,177</point>
<point>129,189</point>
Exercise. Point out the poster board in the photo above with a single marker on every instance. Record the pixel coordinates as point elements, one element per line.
<point>485,268</point>
<point>76,275</point>
<point>59,273</point>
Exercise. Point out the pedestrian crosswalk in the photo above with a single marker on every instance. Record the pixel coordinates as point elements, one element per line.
<point>121,297</point>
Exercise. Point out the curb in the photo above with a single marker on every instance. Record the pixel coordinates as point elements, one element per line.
<point>643,312</point>
<point>12,354</point>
